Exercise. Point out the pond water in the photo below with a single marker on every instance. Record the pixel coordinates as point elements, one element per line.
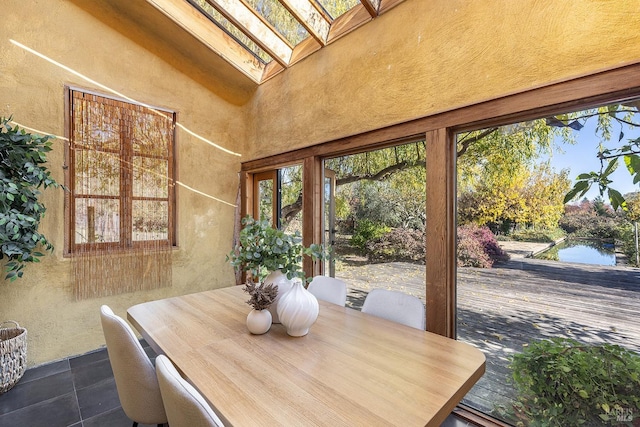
<point>581,251</point>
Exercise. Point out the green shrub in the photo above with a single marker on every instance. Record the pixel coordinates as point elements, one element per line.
<point>588,225</point>
<point>543,235</point>
<point>625,241</point>
<point>365,231</point>
<point>399,244</point>
<point>561,382</point>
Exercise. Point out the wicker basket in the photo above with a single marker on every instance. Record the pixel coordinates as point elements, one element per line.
<point>13,354</point>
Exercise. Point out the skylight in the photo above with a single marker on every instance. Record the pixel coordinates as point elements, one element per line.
<point>261,38</point>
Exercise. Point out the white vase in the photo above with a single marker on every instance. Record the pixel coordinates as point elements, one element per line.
<point>259,321</point>
<point>298,310</point>
<point>283,285</point>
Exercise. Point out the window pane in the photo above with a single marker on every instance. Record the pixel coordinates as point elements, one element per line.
<point>232,30</point>
<point>336,8</point>
<point>512,185</point>
<point>151,133</point>
<point>121,161</point>
<point>291,199</point>
<point>150,220</point>
<point>96,124</point>
<point>96,173</point>
<point>97,220</point>
<point>281,19</point>
<point>150,177</point>
<point>379,215</point>
<point>265,200</point>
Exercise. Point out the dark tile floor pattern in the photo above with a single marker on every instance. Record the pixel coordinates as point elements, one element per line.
<point>76,392</point>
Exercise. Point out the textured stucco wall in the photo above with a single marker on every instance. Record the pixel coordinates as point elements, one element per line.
<point>32,90</point>
<point>428,56</point>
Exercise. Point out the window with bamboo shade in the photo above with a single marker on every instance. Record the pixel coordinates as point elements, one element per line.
<point>121,204</point>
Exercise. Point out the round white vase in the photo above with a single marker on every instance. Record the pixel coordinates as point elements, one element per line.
<point>283,284</point>
<point>298,309</point>
<point>259,321</point>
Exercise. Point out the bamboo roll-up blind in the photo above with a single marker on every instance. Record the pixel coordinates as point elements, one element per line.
<point>121,222</point>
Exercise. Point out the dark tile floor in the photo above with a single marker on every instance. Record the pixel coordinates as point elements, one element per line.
<point>76,392</point>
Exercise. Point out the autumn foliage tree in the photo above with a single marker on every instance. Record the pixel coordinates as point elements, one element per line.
<point>527,196</point>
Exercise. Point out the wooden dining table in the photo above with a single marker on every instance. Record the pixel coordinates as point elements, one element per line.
<point>352,369</point>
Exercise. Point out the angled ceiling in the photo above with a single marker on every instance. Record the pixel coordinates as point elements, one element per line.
<point>261,38</point>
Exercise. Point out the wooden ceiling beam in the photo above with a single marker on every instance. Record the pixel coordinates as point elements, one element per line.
<point>312,20</point>
<point>372,6</point>
<point>305,48</point>
<point>218,41</point>
<point>349,21</point>
<point>255,27</point>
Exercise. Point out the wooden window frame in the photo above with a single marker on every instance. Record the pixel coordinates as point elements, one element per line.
<point>608,86</point>
<point>588,91</point>
<point>126,242</point>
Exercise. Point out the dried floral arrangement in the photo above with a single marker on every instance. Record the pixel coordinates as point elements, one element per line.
<point>261,295</point>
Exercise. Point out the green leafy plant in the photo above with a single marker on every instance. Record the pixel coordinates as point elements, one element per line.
<point>367,230</point>
<point>630,154</point>
<point>262,249</point>
<point>561,382</point>
<point>22,156</point>
<point>399,244</point>
<point>540,234</point>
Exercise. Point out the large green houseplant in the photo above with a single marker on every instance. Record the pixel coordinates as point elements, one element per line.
<point>267,255</point>
<point>22,173</point>
<point>262,249</point>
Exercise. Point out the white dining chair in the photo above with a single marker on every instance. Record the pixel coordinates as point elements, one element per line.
<point>396,306</point>
<point>133,371</point>
<point>329,289</point>
<point>184,404</point>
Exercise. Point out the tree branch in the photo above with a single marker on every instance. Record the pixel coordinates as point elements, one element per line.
<point>382,174</point>
<point>465,143</point>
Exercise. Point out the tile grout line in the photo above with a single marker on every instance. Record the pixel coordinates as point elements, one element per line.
<point>75,394</point>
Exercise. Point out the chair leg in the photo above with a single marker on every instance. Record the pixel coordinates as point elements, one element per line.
<point>135,424</point>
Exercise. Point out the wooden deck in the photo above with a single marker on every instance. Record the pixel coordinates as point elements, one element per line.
<point>503,308</point>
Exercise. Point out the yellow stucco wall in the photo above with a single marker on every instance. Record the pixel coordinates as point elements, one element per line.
<point>428,56</point>
<point>32,90</point>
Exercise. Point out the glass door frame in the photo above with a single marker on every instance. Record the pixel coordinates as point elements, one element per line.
<point>603,87</point>
<point>615,85</point>
<point>274,177</point>
<point>329,218</point>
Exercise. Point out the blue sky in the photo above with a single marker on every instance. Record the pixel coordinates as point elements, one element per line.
<point>582,157</point>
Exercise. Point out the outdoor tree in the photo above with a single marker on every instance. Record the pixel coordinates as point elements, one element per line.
<point>611,119</point>
<point>631,244</point>
<point>633,206</point>
<point>500,181</point>
<point>532,197</point>
<point>500,165</point>
<point>542,196</point>
<point>487,154</point>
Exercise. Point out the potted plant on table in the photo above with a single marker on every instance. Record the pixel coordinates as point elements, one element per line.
<point>261,297</point>
<point>271,256</point>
